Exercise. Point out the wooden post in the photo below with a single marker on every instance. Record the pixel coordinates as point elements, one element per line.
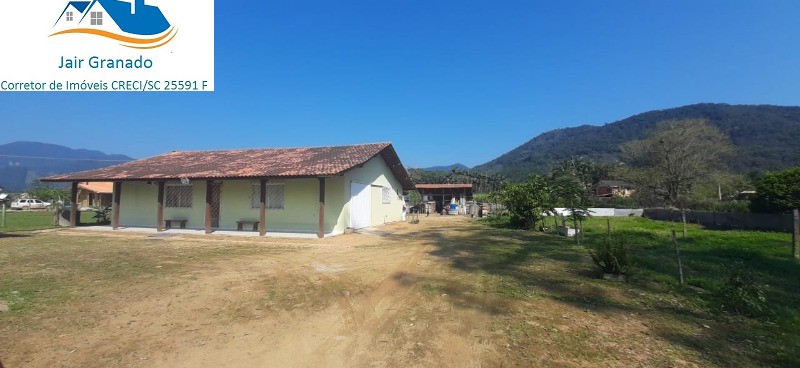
<point>321,231</point>
<point>608,224</point>
<point>678,252</point>
<point>209,183</point>
<point>73,205</point>
<point>683,219</point>
<point>160,209</point>
<point>796,234</point>
<point>262,224</point>
<point>115,210</point>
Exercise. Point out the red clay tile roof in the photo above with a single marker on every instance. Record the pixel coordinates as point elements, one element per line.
<point>98,187</point>
<point>247,163</point>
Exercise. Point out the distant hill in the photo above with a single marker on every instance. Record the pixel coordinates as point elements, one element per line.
<point>446,168</point>
<point>23,163</point>
<point>765,138</point>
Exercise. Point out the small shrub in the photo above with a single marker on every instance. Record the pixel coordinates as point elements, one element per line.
<point>103,215</point>
<point>742,294</point>
<point>611,255</point>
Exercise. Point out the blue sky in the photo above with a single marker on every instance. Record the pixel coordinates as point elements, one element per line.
<point>445,81</point>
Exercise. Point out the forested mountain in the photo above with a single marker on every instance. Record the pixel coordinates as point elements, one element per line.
<point>765,138</point>
<point>23,163</point>
<point>446,168</point>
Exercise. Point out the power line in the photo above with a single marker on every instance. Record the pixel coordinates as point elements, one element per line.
<point>64,159</point>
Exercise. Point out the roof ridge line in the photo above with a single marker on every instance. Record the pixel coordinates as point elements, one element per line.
<point>276,148</point>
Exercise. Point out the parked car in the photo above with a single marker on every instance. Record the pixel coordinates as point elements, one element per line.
<point>29,204</point>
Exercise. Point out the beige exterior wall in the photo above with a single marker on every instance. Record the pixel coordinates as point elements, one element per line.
<point>377,174</point>
<point>138,207</point>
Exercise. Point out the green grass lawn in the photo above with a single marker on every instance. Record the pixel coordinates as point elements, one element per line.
<point>760,263</point>
<point>27,220</point>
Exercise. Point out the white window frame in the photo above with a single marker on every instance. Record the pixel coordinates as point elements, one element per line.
<point>166,195</point>
<point>69,17</point>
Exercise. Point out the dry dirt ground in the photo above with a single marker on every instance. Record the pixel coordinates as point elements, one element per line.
<point>394,296</point>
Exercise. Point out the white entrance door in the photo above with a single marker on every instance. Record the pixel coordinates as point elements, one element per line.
<point>360,208</point>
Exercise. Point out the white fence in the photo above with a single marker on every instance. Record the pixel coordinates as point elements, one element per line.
<point>605,212</point>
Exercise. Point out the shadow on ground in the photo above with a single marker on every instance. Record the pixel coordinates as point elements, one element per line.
<point>530,264</point>
<point>13,235</point>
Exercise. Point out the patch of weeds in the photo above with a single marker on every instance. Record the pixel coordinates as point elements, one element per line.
<point>610,255</point>
<point>703,283</point>
<point>742,293</point>
<point>431,287</point>
<point>28,294</point>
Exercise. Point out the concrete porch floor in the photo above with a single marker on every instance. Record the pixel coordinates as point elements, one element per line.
<point>250,234</point>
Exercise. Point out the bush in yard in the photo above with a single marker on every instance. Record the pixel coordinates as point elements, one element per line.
<point>742,294</point>
<point>528,203</point>
<point>103,215</point>
<point>610,255</point>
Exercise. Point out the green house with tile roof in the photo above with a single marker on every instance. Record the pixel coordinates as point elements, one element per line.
<point>304,190</point>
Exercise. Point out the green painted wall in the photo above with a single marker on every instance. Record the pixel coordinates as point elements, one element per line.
<point>138,205</point>
<point>301,202</point>
<point>196,215</point>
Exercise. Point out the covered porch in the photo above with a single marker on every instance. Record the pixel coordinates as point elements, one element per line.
<point>251,207</point>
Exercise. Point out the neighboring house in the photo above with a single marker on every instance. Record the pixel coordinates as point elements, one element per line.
<point>442,195</point>
<point>95,194</point>
<point>115,16</point>
<point>612,188</point>
<point>322,190</point>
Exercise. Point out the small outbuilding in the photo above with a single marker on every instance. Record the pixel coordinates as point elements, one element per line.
<point>321,190</point>
<point>442,195</point>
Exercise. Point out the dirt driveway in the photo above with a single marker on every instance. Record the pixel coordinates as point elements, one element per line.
<point>348,301</point>
<point>442,293</point>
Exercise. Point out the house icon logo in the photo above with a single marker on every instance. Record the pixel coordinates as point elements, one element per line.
<point>129,22</point>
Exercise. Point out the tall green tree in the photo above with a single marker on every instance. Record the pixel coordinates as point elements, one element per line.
<point>584,171</point>
<point>675,158</point>
<point>529,202</point>
<point>778,191</point>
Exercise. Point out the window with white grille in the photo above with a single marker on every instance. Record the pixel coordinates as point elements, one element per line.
<point>274,196</point>
<point>178,196</point>
<point>387,195</point>
<point>69,16</point>
<point>96,18</point>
